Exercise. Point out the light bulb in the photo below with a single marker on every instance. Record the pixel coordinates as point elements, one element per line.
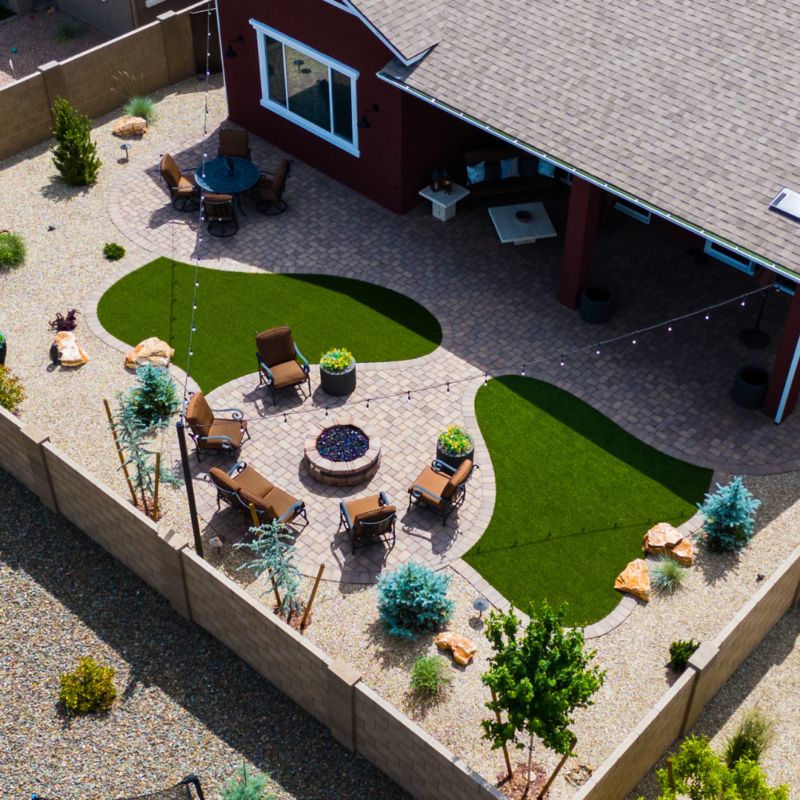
<point>706,316</point>
<point>523,370</point>
<point>669,330</point>
<point>598,352</point>
<point>634,341</point>
<point>448,387</point>
<point>409,395</point>
<point>485,378</point>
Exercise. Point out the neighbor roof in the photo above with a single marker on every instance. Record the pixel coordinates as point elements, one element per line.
<point>690,105</point>
<point>411,26</point>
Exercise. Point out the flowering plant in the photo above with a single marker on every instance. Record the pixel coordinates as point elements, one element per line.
<point>455,441</point>
<point>2,338</point>
<point>336,360</point>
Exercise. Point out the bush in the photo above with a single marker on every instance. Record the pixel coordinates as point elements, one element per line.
<point>113,252</point>
<point>455,441</point>
<point>430,675</point>
<point>245,786</point>
<point>89,688</point>
<point>68,323</point>
<point>139,106</point>
<point>754,735</point>
<point>69,31</point>
<point>667,575</point>
<point>413,598</point>
<point>11,392</point>
<point>154,401</point>
<point>728,513</point>
<point>12,249</point>
<point>680,651</point>
<point>75,155</point>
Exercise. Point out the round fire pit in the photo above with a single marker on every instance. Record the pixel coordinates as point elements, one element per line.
<point>341,452</point>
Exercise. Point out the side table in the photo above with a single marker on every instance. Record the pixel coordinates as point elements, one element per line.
<point>444,205</point>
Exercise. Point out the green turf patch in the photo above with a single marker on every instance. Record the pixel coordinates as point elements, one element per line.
<point>575,496</point>
<point>374,323</point>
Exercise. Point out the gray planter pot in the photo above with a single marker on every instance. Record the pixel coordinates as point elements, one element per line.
<point>597,304</point>
<point>338,383</point>
<point>750,387</point>
<point>454,461</point>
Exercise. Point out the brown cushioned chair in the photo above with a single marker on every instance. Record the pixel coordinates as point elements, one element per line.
<point>269,190</point>
<point>278,364</point>
<point>442,487</point>
<point>368,520</point>
<point>210,433</point>
<point>220,213</point>
<point>182,187</point>
<point>242,486</point>
<point>234,144</point>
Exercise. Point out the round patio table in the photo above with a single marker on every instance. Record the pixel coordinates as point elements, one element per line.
<point>221,179</point>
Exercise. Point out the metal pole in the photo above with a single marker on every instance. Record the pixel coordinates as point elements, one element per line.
<point>187,477</point>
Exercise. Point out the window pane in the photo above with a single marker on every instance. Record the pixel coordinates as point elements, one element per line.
<point>277,80</point>
<point>309,95</point>
<point>342,106</point>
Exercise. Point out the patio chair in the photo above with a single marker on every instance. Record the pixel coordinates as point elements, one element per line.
<point>220,214</point>
<point>210,433</point>
<point>368,520</point>
<point>182,187</point>
<point>269,190</point>
<point>242,486</point>
<point>234,144</point>
<point>441,486</point>
<point>278,365</point>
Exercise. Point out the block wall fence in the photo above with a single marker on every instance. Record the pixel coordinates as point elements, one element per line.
<point>331,690</point>
<point>155,55</point>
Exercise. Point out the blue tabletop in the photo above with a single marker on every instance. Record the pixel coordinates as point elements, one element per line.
<point>221,179</point>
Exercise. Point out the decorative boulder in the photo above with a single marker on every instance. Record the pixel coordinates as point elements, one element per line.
<point>683,552</point>
<point>70,353</point>
<point>463,649</point>
<point>663,539</point>
<point>131,126</point>
<point>635,580</point>
<point>150,351</point>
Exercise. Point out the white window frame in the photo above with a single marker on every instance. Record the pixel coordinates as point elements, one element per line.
<point>262,31</point>
<point>730,256</point>
<point>632,210</point>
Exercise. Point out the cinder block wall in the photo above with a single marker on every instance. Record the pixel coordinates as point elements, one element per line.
<point>12,454</point>
<point>25,118</point>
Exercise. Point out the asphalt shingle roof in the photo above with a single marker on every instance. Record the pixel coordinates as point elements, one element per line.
<point>690,104</point>
<point>412,26</point>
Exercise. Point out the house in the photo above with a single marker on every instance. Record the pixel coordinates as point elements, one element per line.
<point>684,113</point>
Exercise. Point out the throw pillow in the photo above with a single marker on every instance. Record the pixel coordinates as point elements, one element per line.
<point>476,174</point>
<point>529,167</point>
<point>509,168</point>
<point>546,168</point>
<point>492,171</point>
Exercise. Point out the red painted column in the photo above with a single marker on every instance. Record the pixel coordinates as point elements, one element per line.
<point>783,364</point>
<point>576,266</point>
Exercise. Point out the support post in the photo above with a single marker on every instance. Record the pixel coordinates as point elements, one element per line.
<point>784,382</point>
<point>576,264</point>
<point>187,477</point>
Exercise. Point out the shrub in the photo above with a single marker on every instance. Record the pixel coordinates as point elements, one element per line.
<point>68,323</point>
<point>245,786</point>
<point>154,400</point>
<point>728,513</point>
<point>667,575</point>
<point>139,106</point>
<point>430,675</point>
<point>680,651</point>
<point>113,252</point>
<point>11,391</point>
<point>89,688</point>
<point>455,441</point>
<point>69,31</point>
<point>75,155</point>
<point>336,360</point>
<point>754,735</point>
<point>12,249</point>
<point>413,598</point>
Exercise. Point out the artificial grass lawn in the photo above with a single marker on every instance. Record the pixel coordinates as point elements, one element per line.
<point>575,496</point>
<point>374,323</point>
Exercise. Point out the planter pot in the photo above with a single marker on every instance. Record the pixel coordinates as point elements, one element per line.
<point>597,304</point>
<point>750,387</point>
<point>3,350</point>
<point>454,461</point>
<point>338,383</point>
<point>54,354</point>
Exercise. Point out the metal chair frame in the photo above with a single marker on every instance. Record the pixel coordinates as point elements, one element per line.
<point>265,373</point>
<point>457,499</point>
<point>264,206</point>
<point>386,526</point>
<point>227,442</point>
<point>216,226</point>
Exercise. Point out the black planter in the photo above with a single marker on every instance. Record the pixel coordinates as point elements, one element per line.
<point>750,387</point>
<point>597,304</point>
<point>338,383</point>
<point>55,356</point>
<point>453,461</point>
<point>3,350</point>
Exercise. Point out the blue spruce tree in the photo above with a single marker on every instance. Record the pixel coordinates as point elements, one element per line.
<point>729,523</point>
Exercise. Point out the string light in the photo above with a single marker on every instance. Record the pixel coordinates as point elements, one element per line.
<point>368,402</point>
<point>286,419</point>
<point>409,395</point>
<point>448,387</point>
<point>326,411</point>
<point>485,378</point>
<point>562,359</point>
<point>523,370</point>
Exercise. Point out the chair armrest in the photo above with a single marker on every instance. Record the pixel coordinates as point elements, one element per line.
<point>237,468</point>
<point>237,412</point>
<point>302,358</point>
<point>345,514</point>
<point>267,174</point>
<point>228,439</point>
<point>384,500</point>
<point>265,368</point>
<point>438,466</point>
<point>296,507</point>
<point>418,490</point>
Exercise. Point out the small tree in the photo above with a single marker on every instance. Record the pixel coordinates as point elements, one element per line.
<point>75,154</point>
<point>154,400</point>
<point>728,513</point>
<point>538,679</point>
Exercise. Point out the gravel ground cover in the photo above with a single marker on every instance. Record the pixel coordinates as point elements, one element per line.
<point>185,702</point>
<point>34,36</point>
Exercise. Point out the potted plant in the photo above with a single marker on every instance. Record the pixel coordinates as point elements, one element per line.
<point>750,387</point>
<point>3,349</point>
<point>337,372</point>
<point>454,446</point>
<point>597,304</point>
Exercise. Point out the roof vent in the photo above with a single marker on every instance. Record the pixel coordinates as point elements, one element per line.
<point>788,204</point>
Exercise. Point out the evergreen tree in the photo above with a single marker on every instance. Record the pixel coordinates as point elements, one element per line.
<point>729,523</point>
<point>75,154</point>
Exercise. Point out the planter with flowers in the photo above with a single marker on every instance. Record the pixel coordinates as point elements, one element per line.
<point>337,372</point>
<point>3,349</point>
<point>454,446</point>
